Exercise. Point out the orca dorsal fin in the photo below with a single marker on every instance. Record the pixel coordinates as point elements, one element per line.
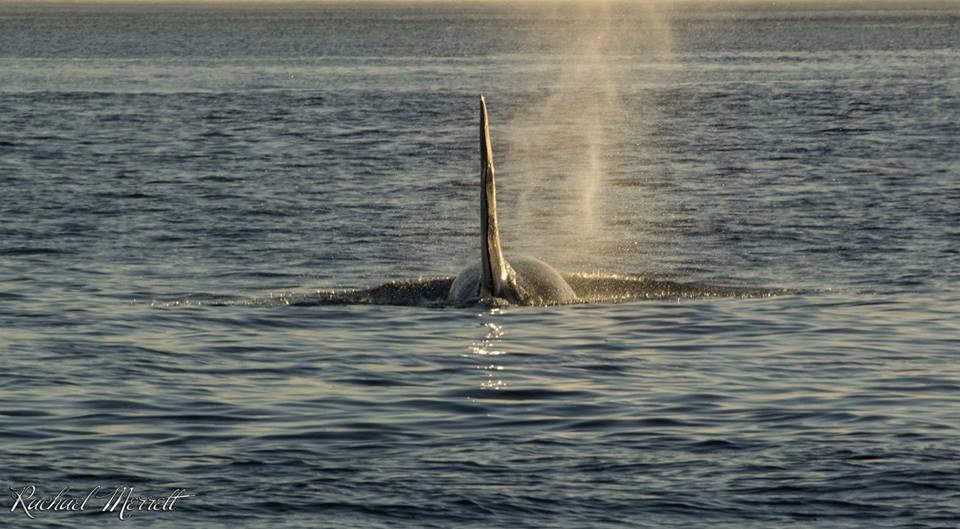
<point>494,270</point>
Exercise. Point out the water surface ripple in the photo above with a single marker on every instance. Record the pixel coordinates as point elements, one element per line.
<point>170,177</point>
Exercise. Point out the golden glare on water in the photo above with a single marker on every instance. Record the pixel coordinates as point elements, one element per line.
<point>490,345</point>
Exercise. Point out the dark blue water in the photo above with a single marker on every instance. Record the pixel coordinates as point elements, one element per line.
<point>169,176</point>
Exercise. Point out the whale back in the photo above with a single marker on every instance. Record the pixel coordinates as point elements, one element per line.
<point>534,282</point>
<point>537,283</point>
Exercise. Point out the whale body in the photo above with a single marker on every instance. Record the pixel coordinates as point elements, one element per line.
<point>495,280</point>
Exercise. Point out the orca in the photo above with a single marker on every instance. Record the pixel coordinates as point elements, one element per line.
<point>494,280</point>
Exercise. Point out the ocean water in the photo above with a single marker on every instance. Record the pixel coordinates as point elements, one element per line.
<point>170,176</point>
